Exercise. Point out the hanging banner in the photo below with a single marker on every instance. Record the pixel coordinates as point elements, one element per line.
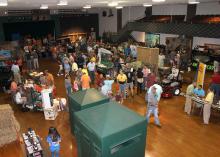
<point>201,74</point>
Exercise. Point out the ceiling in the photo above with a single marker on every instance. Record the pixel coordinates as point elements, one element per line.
<point>35,4</point>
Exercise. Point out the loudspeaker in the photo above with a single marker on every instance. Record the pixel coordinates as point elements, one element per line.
<point>148,11</point>
<point>104,13</point>
<point>110,14</point>
<point>191,11</point>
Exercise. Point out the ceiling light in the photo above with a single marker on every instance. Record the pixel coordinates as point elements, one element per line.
<point>157,1</point>
<point>62,2</point>
<point>119,7</point>
<point>87,7</point>
<point>44,6</point>
<point>112,4</point>
<point>147,5</point>
<point>193,2</point>
<point>3,3</point>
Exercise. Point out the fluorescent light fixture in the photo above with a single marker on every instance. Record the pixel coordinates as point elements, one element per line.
<point>3,3</point>
<point>193,2</point>
<point>147,5</point>
<point>119,7</point>
<point>87,7</point>
<point>157,1</point>
<point>62,2</point>
<point>44,6</point>
<point>112,4</point>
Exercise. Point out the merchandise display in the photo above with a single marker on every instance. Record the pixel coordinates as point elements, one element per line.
<point>32,144</point>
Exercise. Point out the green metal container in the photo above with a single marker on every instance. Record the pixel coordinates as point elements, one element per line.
<point>84,99</point>
<point>110,130</point>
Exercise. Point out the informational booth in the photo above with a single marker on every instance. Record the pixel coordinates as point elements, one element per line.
<point>84,99</point>
<point>110,130</point>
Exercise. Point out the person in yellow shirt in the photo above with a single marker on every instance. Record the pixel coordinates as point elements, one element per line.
<point>207,106</point>
<point>122,80</point>
<point>85,70</point>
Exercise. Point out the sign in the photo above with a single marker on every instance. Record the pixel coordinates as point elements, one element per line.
<point>208,67</point>
<point>201,73</point>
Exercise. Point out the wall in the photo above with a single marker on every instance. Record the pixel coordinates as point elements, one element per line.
<point>164,36</point>
<point>138,36</point>
<point>132,13</point>
<point>208,8</point>
<point>201,41</point>
<point>177,9</point>
<point>106,24</point>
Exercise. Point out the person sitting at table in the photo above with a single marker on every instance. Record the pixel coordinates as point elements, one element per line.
<point>199,92</point>
<point>207,106</point>
<point>19,100</point>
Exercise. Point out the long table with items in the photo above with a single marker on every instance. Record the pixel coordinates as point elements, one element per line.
<point>32,144</point>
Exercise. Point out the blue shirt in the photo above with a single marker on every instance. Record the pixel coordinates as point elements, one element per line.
<point>54,146</point>
<point>199,92</point>
<point>127,51</point>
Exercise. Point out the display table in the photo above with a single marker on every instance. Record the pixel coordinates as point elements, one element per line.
<point>32,144</point>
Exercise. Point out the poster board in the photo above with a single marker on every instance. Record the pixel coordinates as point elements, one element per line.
<point>148,56</point>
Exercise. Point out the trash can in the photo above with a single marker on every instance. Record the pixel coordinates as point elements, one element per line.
<point>84,99</point>
<point>110,130</point>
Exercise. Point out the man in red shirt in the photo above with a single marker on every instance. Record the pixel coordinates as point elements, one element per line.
<point>215,83</point>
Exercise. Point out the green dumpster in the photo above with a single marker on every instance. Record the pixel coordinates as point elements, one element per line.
<point>110,130</point>
<point>84,99</point>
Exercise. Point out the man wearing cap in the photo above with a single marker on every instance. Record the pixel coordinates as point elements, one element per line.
<point>152,106</point>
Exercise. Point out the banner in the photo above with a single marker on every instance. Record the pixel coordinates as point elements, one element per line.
<point>201,74</point>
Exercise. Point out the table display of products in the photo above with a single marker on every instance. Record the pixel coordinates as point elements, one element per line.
<point>35,76</point>
<point>32,144</point>
<point>35,98</point>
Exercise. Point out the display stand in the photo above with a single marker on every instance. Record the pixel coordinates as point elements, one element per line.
<point>32,144</point>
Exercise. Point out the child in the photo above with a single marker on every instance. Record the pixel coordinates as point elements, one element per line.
<point>60,72</point>
<point>75,85</point>
<point>119,97</point>
<point>54,140</point>
<point>100,81</point>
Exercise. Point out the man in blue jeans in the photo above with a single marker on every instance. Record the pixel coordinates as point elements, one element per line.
<point>152,101</point>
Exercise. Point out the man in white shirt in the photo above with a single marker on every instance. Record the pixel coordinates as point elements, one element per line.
<point>16,72</point>
<point>19,99</point>
<point>159,91</point>
<point>91,70</point>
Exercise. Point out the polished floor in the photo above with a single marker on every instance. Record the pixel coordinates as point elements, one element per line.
<point>180,136</point>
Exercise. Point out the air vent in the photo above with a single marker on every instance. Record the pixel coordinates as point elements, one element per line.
<point>19,12</point>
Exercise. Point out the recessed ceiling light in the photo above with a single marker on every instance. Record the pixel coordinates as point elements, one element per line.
<point>44,6</point>
<point>147,5</point>
<point>193,2</point>
<point>62,2</point>
<point>87,7</point>
<point>158,1</point>
<point>112,4</point>
<point>3,3</point>
<point>119,7</point>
